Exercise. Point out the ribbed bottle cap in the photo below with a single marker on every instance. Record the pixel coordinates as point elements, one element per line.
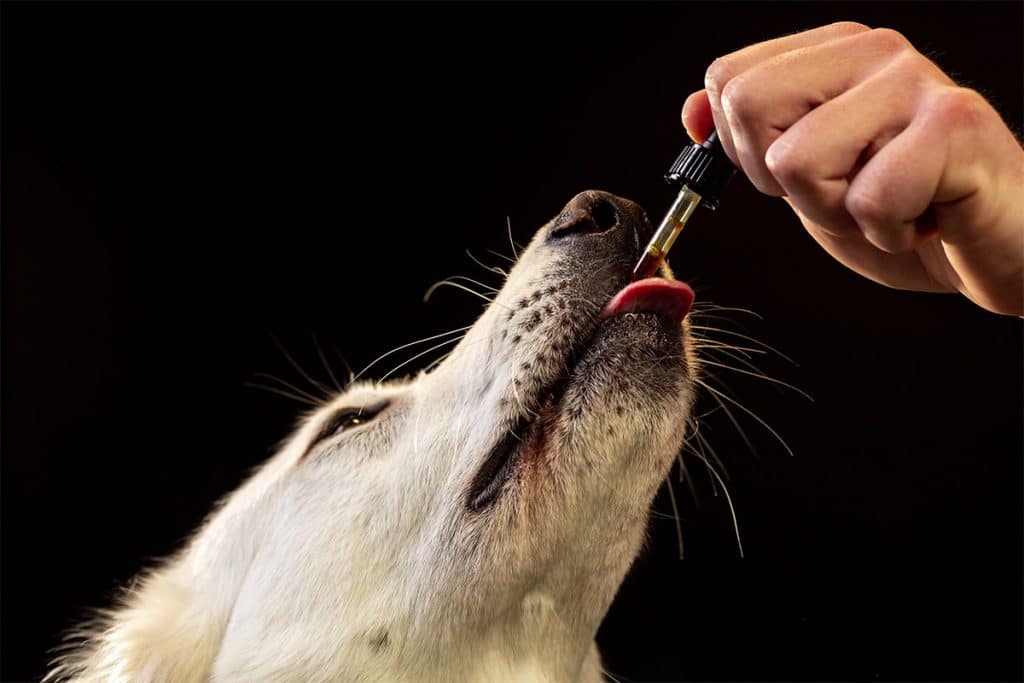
<point>704,168</point>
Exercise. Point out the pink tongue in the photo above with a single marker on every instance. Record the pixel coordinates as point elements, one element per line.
<point>652,295</point>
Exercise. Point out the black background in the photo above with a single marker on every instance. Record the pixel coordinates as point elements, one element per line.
<point>183,183</point>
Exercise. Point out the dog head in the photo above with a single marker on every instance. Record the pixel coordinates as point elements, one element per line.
<point>471,523</point>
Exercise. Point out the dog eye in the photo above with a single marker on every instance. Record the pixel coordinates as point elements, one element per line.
<point>345,419</point>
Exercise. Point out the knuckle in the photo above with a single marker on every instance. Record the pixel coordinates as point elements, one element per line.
<point>737,98</point>
<point>888,40</point>
<point>889,242</point>
<point>910,67</point>
<point>718,74</point>
<point>849,28</point>
<point>788,163</point>
<point>957,107</point>
<point>867,207</point>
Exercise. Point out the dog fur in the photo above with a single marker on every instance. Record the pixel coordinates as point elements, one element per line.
<point>360,556</point>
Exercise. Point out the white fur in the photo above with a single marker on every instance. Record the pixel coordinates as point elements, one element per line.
<point>302,571</point>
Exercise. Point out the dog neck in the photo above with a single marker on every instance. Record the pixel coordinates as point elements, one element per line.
<point>537,643</point>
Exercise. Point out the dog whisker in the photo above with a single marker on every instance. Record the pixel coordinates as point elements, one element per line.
<point>761,376</point>
<point>475,282</point>
<point>708,342</point>
<point>609,674</point>
<point>327,366</point>
<point>345,363</point>
<point>508,222</point>
<point>722,309</point>
<point>493,269</point>
<point>708,451</point>
<point>418,355</point>
<point>739,355</point>
<point>502,256</point>
<point>728,498</point>
<point>299,390</point>
<point>305,375</point>
<point>748,411</point>
<point>684,473</point>
<point>456,285</point>
<point>715,344</point>
<point>280,392</point>
<point>395,350</point>
<point>747,338</point>
<point>675,513</point>
<point>729,414</point>
<point>699,443</point>
<point>434,363</point>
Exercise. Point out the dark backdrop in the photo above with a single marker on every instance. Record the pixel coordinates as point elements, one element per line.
<point>183,183</point>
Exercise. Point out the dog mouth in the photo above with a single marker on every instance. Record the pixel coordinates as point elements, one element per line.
<point>528,435</point>
<point>661,296</point>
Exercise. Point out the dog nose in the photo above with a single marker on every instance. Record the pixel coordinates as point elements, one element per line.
<point>587,213</point>
<point>594,212</point>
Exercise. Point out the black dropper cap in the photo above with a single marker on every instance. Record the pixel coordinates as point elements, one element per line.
<point>704,168</point>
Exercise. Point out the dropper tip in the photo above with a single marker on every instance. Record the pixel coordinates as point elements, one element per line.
<point>647,266</point>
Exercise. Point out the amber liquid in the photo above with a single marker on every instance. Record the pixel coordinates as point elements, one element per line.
<point>665,236</point>
<point>648,264</point>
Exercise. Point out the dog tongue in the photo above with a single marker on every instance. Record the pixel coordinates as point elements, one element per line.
<point>652,295</point>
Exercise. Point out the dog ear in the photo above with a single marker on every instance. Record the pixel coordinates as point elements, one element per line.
<point>158,632</point>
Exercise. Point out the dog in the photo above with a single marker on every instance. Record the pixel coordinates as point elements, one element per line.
<point>472,523</point>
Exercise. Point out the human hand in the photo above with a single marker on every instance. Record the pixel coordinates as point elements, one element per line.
<point>893,169</point>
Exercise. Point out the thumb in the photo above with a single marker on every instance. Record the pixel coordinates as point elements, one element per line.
<point>697,118</point>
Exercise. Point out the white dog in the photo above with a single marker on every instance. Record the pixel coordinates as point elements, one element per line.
<point>470,524</point>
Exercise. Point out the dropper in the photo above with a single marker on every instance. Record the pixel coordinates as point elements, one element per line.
<point>701,171</point>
